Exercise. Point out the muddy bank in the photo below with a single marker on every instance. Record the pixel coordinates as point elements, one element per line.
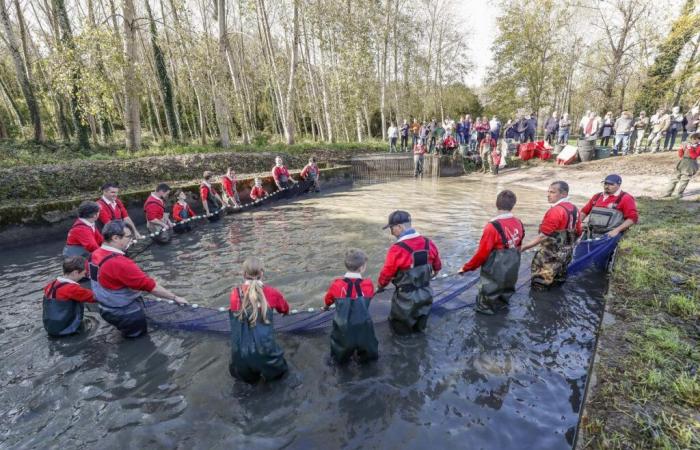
<point>50,219</point>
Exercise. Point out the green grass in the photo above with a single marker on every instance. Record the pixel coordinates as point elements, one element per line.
<point>648,392</point>
<point>14,153</point>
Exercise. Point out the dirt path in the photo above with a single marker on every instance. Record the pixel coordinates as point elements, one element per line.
<point>642,175</point>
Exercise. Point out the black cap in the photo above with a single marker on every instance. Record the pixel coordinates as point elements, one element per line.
<point>396,218</point>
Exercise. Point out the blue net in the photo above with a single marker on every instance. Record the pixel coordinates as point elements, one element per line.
<point>593,253</point>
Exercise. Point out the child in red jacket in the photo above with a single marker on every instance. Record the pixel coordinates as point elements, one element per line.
<point>353,330</point>
<point>64,298</point>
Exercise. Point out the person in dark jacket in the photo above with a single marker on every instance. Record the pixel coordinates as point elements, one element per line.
<point>353,330</point>
<point>255,354</point>
<point>531,129</point>
<point>64,299</point>
<point>551,127</point>
<point>498,256</point>
<point>521,128</point>
<point>410,264</point>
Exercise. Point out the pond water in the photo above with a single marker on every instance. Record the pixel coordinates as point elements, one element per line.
<point>514,380</point>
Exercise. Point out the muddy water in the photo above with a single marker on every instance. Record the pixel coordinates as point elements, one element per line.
<point>510,381</point>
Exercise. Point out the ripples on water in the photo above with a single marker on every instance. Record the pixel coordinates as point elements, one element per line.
<point>510,381</point>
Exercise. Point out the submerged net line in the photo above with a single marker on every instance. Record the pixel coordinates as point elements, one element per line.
<point>452,294</point>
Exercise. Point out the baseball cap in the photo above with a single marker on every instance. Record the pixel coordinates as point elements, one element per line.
<point>613,178</point>
<point>396,218</point>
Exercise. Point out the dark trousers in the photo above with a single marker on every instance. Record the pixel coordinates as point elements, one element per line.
<point>605,141</point>
<point>670,139</point>
<point>404,143</point>
<point>529,136</point>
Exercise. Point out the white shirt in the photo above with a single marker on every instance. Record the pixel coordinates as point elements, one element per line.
<point>565,199</point>
<point>109,202</point>
<point>65,280</point>
<point>605,196</point>
<point>502,216</point>
<point>157,198</point>
<point>392,132</point>
<point>354,275</point>
<point>408,236</point>
<point>109,248</point>
<point>88,223</point>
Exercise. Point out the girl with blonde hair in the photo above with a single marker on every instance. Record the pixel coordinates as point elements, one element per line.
<point>255,353</point>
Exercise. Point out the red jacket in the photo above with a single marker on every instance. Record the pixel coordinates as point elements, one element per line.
<point>178,209</point>
<point>491,240</point>
<point>275,299</point>
<point>279,171</point>
<point>309,169</point>
<point>70,292</point>
<point>419,149</point>
<point>559,218</point>
<point>397,258</point>
<point>338,289</point>
<point>120,272</point>
<point>107,213</point>
<point>258,192</point>
<point>85,236</point>
<point>693,150</point>
<point>229,185</point>
<point>627,205</point>
<point>488,140</point>
<point>204,191</point>
<point>154,208</point>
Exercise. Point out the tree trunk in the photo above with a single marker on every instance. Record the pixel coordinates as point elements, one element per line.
<point>220,106</point>
<point>132,107</point>
<point>385,53</point>
<point>289,103</point>
<point>22,73</point>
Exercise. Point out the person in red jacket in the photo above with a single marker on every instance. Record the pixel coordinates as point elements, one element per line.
<point>610,212</point>
<point>559,231</point>
<point>410,264</point>
<point>84,237</point>
<point>258,192</point>
<point>228,182</point>
<point>281,175</point>
<point>255,353</point>
<point>311,172</point>
<point>111,208</point>
<point>211,200</point>
<point>63,303</point>
<point>157,220</point>
<point>498,255</point>
<point>686,168</point>
<point>486,149</point>
<point>353,330</point>
<point>118,283</point>
<point>182,212</point>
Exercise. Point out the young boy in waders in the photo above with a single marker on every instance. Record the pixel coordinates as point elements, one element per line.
<point>353,330</point>
<point>498,256</point>
<point>211,200</point>
<point>255,353</point>
<point>182,212</point>
<point>258,192</point>
<point>410,264</point>
<point>686,168</point>
<point>64,298</point>
<point>230,192</point>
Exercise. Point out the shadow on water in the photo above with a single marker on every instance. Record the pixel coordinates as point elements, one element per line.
<point>514,380</point>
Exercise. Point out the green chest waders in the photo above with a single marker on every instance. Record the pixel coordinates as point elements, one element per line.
<point>499,274</point>
<point>353,330</point>
<point>413,297</point>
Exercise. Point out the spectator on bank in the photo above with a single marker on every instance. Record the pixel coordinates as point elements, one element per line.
<point>423,134</point>
<point>640,128</point>
<point>592,125</point>
<point>431,136</point>
<point>467,130</point>
<point>482,128</point>
<point>509,131</point>
<point>623,130</point>
<point>495,128</point>
<point>606,129</point>
<point>415,132</point>
<point>393,135</point>
<point>551,126</point>
<point>404,136</point>
<point>692,120</point>
<point>531,129</point>
<point>582,124</point>
<point>659,125</point>
<point>459,130</point>
<point>521,127</point>
<point>677,124</point>
<point>437,136</point>
<point>564,129</point>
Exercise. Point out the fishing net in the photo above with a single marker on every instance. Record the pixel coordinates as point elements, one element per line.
<point>593,253</point>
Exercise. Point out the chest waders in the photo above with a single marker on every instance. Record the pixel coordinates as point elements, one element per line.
<point>163,237</point>
<point>686,168</point>
<point>61,317</point>
<point>499,275</point>
<point>554,255</point>
<point>353,330</point>
<point>214,206</point>
<point>603,219</point>
<point>413,297</point>
<point>255,353</point>
<point>181,227</point>
<point>122,308</point>
<point>284,181</point>
<point>76,250</point>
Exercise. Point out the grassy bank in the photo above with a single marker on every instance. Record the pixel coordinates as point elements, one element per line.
<point>647,393</point>
<point>14,153</point>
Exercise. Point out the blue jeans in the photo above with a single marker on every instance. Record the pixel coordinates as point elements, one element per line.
<point>563,137</point>
<point>623,139</point>
<point>670,138</point>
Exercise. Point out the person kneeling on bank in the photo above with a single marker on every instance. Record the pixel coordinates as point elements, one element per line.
<point>353,330</point>
<point>610,212</point>
<point>182,212</point>
<point>64,298</point>
<point>498,256</point>
<point>410,264</point>
<point>157,220</point>
<point>255,353</point>
<point>118,283</point>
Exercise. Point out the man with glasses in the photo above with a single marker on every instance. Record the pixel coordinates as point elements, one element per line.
<point>610,212</point>
<point>118,283</point>
<point>410,264</point>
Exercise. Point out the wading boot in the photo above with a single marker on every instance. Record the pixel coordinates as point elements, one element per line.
<point>483,307</point>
